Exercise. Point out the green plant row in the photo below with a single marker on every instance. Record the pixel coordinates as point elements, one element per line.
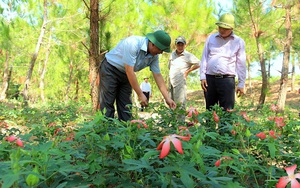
<point>210,149</point>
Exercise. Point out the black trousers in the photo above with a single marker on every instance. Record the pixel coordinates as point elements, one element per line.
<point>147,94</point>
<point>220,91</point>
<point>114,87</point>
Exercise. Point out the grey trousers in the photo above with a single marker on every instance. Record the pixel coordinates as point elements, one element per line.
<point>179,95</point>
<point>114,87</point>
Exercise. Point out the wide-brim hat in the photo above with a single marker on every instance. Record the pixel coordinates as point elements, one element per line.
<point>160,39</point>
<point>226,21</point>
<point>224,25</point>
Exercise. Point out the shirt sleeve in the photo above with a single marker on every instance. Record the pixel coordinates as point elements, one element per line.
<point>193,59</point>
<point>203,63</point>
<point>130,51</point>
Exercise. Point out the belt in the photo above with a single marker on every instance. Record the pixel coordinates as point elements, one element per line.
<point>221,76</point>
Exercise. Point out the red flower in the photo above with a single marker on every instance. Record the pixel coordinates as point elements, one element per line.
<point>11,138</point>
<point>19,143</point>
<point>283,181</point>
<point>233,132</point>
<point>140,122</point>
<point>244,115</point>
<point>192,111</point>
<point>218,163</point>
<point>272,133</point>
<point>261,135</point>
<point>164,145</point>
<point>216,117</point>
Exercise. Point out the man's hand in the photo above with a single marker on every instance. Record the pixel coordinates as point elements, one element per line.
<point>240,91</point>
<point>143,100</point>
<point>204,85</point>
<point>171,103</point>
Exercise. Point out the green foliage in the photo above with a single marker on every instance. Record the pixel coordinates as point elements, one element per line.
<point>62,148</point>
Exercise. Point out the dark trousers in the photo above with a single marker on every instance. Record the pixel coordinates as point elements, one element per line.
<point>147,94</point>
<point>114,87</point>
<point>220,91</point>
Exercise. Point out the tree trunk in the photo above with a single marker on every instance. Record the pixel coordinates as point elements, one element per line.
<point>293,73</point>
<point>35,55</point>
<point>5,78</point>
<point>286,58</point>
<point>264,75</point>
<point>94,59</point>
<point>260,50</point>
<point>69,81</point>
<point>249,76</point>
<point>44,69</point>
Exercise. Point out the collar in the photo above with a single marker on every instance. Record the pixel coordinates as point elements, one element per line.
<point>232,35</point>
<point>181,54</point>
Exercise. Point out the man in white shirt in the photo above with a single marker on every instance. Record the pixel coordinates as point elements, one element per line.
<point>181,63</point>
<point>146,88</point>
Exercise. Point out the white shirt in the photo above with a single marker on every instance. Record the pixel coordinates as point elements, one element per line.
<point>145,87</point>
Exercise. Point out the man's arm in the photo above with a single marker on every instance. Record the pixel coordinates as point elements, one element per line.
<point>193,67</point>
<point>135,85</point>
<point>163,89</point>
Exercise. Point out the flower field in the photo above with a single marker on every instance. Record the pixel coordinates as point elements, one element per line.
<point>61,146</point>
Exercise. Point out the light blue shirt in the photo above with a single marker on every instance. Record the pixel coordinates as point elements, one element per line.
<point>133,52</point>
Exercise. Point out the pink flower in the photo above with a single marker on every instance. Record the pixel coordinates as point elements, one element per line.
<point>279,122</point>
<point>244,115</point>
<point>140,122</point>
<point>283,181</point>
<point>11,138</point>
<point>192,111</point>
<point>273,107</point>
<point>19,143</point>
<point>164,145</point>
<point>216,117</point>
<point>261,135</point>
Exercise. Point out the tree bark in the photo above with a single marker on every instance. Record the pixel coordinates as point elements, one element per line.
<point>286,59</point>
<point>94,59</point>
<point>5,78</point>
<point>35,55</point>
<point>44,69</point>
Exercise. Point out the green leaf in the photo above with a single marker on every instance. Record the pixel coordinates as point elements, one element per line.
<point>186,179</point>
<point>136,164</point>
<point>9,180</point>
<point>248,133</point>
<point>272,149</point>
<point>212,135</point>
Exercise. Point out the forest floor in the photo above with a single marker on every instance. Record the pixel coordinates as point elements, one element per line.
<point>253,93</point>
